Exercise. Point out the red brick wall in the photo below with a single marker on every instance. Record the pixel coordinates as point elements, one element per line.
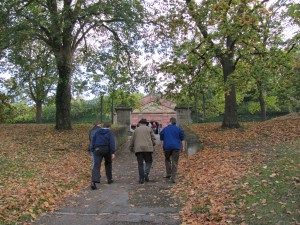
<point>161,114</point>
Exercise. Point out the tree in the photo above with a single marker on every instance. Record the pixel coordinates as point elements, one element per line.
<point>68,27</point>
<point>33,74</point>
<point>227,28</point>
<point>110,74</point>
<point>5,107</point>
<point>268,62</point>
<point>218,33</point>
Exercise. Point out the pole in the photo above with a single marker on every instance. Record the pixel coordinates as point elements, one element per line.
<point>101,115</point>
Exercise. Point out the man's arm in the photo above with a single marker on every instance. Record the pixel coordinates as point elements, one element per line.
<point>182,140</point>
<point>93,142</point>
<point>112,143</point>
<point>183,145</point>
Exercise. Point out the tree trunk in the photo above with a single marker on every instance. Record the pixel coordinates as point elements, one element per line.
<point>263,113</point>
<point>230,119</point>
<point>63,91</point>
<point>38,113</point>
<point>203,106</point>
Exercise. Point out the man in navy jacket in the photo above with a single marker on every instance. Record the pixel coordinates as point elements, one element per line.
<point>92,133</point>
<point>172,138</point>
<point>103,146</point>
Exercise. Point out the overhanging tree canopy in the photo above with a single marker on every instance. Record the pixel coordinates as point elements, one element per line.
<point>221,33</point>
<point>68,27</point>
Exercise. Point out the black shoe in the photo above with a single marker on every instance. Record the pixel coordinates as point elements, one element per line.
<point>141,181</point>
<point>110,181</point>
<point>93,186</point>
<point>146,177</point>
<point>168,176</point>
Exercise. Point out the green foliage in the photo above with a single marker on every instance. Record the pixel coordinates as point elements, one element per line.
<point>271,105</point>
<point>78,109</point>
<point>243,40</point>
<point>253,107</point>
<point>126,99</point>
<point>6,109</point>
<point>49,112</point>
<point>23,113</point>
<point>82,111</point>
<point>69,30</point>
<point>197,41</point>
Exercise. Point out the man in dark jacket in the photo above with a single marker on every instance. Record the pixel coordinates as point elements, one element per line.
<point>92,133</point>
<point>103,146</point>
<point>172,138</point>
<point>142,143</point>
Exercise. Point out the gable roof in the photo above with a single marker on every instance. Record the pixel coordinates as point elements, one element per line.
<point>151,103</point>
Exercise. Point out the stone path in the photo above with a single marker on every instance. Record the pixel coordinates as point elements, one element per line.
<point>125,202</point>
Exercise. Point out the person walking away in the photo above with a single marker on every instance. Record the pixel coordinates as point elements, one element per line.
<point>92,132</point>
<point>142,143</point>
<point>172,138</point>
<point>154,127</point>
<point>103,146</point>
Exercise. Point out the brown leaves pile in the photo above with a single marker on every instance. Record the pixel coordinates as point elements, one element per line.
<point>211,175</point>
<point>40,167</point>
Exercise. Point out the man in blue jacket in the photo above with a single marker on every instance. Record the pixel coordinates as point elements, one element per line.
<point>172,138</point>
<point>92,133</point>
<point>103,146</point>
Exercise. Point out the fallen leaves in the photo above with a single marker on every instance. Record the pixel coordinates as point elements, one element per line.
<point>211,176</point>
<point>40,167</point>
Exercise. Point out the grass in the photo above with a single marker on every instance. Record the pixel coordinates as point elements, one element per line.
<point>271,193</point>
<point>16,169</point>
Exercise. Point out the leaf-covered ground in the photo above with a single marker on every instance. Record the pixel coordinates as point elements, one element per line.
<point>227,182</point>
<point>216,188</point>
<point>40,167</point>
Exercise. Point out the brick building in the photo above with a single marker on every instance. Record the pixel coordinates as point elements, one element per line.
<point>154,109</point>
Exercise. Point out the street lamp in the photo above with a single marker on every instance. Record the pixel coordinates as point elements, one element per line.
<point>101,103</point>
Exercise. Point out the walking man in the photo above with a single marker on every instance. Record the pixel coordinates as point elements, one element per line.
<point>103,146</point>
<point>172,138</point>
<point>142,143</point>
<point>92,132</point>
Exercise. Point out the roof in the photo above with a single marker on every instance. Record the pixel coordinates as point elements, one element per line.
<point>151,103</point>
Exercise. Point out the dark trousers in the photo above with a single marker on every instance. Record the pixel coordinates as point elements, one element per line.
<point>171,162</point>
<point>96,175</point>
<point>141,157</point>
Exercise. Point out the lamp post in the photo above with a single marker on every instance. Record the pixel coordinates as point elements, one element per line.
<point>101,103</point>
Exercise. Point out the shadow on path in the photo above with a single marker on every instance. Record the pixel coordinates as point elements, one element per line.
<point>123,202</point>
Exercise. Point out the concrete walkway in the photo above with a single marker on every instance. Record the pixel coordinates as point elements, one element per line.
<point>123,202</point>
